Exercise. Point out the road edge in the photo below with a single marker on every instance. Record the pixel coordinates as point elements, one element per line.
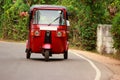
<point>98,72</point>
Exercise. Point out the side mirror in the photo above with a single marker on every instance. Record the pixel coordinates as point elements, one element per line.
<point>29,12</point>
<point>68,14</point>
<point>68,23</point>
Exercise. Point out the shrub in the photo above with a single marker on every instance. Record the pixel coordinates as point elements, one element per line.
<point>116,31</point>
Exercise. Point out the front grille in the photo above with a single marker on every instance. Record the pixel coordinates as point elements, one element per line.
<point>47,37</point>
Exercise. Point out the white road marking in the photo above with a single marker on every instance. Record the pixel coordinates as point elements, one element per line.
<point>98,72</point>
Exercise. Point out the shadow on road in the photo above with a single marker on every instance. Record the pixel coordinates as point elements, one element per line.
<point>50,60</point>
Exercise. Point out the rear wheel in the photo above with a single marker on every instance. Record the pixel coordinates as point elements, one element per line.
<point>46,54</point>
<point>28,54</point>
<point>66,55</point>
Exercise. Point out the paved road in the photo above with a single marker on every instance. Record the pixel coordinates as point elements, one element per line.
<point>14,66</point>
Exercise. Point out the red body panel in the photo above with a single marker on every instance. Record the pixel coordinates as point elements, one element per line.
<point>37,43</point>
<point>58,44</point>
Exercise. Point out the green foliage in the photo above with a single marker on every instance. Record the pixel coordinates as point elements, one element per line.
<point>116,31</point>
<point>12,26</point>
<point>85,16</point>
<point>116,26</point>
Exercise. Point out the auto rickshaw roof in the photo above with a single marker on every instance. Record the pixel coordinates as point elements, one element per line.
<point>47,7</point>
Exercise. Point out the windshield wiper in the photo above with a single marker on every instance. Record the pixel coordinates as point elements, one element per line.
<point>54,20</point>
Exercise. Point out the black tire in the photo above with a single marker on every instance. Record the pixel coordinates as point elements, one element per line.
<point>28,54</point>
<point>46,54</point>
<point>66,55</point>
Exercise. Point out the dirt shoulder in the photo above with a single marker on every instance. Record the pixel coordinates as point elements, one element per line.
<point>111,63</point>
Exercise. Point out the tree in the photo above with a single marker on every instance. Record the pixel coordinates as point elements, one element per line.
<point>85,16</point>
<point>12,25</point>
<point>116,25</point>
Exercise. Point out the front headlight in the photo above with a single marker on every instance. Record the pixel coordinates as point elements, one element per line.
<point>59,34</point>
<point>37,33</point>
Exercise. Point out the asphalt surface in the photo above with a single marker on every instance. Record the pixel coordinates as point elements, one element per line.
<point>14,66</point>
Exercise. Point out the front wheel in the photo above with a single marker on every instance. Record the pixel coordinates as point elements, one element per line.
<point>46,54</point>
<point>66,55</point>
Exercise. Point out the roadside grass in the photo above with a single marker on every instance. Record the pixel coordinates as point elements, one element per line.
<point>7,40</point>
<point>114,56</point>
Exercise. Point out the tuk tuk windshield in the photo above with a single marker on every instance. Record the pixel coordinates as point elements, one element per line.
<point>49,17</point>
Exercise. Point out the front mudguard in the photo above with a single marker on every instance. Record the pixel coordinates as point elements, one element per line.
<point>47,47</point>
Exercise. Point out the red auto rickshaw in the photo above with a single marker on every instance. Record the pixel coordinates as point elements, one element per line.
<point>48,31</point>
